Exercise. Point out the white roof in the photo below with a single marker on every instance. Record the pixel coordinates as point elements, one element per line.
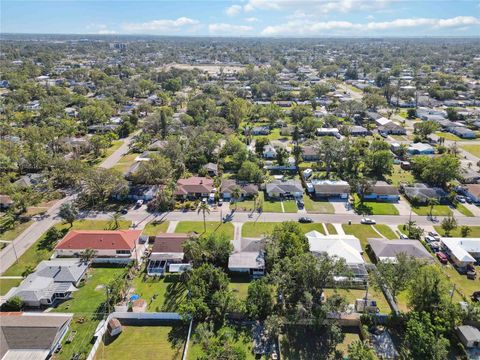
<point>420,146</point>
<point>347,247</point>
<point>246,260</point>
<point>462,247</point>
<point>382,121</point>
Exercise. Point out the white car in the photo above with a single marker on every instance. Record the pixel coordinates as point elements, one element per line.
<point>403,236</point>
<point>368,221</point>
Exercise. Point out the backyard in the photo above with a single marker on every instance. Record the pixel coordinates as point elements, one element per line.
<point>321,207</point>
<point>352,294</point>
<point>212,227</point>
<point>145,342</point>
<point>161,294</point>
<point>400,176</point>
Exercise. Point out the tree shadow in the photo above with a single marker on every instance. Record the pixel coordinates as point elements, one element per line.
<point>362,209</point>
<point>174,295</point>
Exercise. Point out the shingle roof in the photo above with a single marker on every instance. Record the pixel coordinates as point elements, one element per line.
<point>390,249</point>
<point>245,188</point>
<point>246,260</point>
<point>194,185</point>
<point>383,188</point>
<point>62,270</point>
<point>99,240</point>
<point>169,243</point>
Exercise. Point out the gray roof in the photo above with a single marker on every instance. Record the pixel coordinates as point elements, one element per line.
<point>62,270</point>
<point>245,188</point>
<point>289,186</point>
<point>383,188</point>
<point>384,248</point>
<point>469,332</point>
<point>35,288</point>
<point>249,260</point>
<point>424,192</point>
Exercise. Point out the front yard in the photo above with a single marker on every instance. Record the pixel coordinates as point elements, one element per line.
<point>125,162</point>
<point>438,210</point>
<point>474,231</point>
<point>373,207</point>
<point>154,228</point>
<point>386,231</point>
<point>258,229</point>
<point>362,232</point>
<point>7,284</point>
<point>212,227</point>
<point>320,207</point>
<point>472,149</point>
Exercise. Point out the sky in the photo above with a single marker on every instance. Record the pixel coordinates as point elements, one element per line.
<point>252,18</point>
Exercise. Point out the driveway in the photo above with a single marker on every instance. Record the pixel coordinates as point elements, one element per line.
<point>341,206</point>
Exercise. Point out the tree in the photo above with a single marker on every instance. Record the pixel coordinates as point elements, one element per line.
<point>413,231</point>
<point>50,239</point>
<point>100,184</point>
<point>448,224</point>
<point>465,231</point>
<point>115,219</point>
<point>224,346</point>
<point>432,202</point>
<point>236,195</point>
<point>373,101</point>
<point>68,213</point>
<point>437,171</point>
<point>361,350</point>
<point>328,153</point>
<point>204,208</point>
<point>250,172</point>
<point>15,303</point>
<point>88,255</point>
<point>428,290</point>
<point>236,111</point>
<point>259,301</point>
<point>364,186</point>
<point>425,128</point>
<point>300,112</point>
<point>282,155</point>
<point>396,276</point>
<point>158,170</point>
<point>213,249</point>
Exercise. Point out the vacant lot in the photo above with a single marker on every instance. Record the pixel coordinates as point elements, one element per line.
<point>212,227</point>
<point>144,342</point>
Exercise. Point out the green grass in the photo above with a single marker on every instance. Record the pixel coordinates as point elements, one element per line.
<point>352,294</point>
<point>7,284</point>
<point>362,232</point>
<point>452,137</point>
<point>438,210</point>
<point>12,234</point>
<point>212,226</point>
<point>257,229</point>
<point>472,149</point>
<point>37,252</point>
<point>247,205</point>
<point>240,289</point>
<point>161,294</point>
<point>374,208</point>
<point>115,145</point>
<point>475,231</point>
<point>154,228</point>
<point>272,206</point>
<point>400,176</point>
<point>349,338</point>
<point>386,231</point>
<point>464,210</point>
<point>125,162</point>
<point>331,229</point>
<point>143,342</point>
<point>290,206</point>
<point>321,207</point>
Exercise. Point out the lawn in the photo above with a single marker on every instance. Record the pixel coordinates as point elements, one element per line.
<point>145,342</point>
<point>161,294</point>
<point>257,229</point>
<point>7,284</point>
<point>115,145</point>
<point>400,176</point>
<point>125,162</point>
<point>464,210</point>
<point>352,294</point>
<point>350,337</point>
<point>154,228</point>
<point>386,231</point>
<point>272,206</point>
<point>474,231</point>
<point>438,210</point>
<point>472,149</point>
<point>331,229</point>
<point>87,304</point>
<point>38,252</point>
<point>247,205</point>
<point>212,226</point>
<point>12,234</point>
<point>240,289</point>
<point>374,208</point>
<point>362,232</point>
<point>321,207</point>
<point>290,206</point>
<point>449,136</point>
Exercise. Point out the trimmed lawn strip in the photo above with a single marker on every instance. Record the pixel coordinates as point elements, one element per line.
<point>438,210</point>
<point>240,289</point>
<point>212,227</point>
<point>12,234</point>
<point>449,136</point>
<point>290,206</point>
<point>7,284</point>
<point>37,253</point>
<point>474,231</point>
<point>472,149</point>
<point>361,231</point>
<point>257,229</point>
<point>321,207</point>
<point>386,231</point>
<point>331,229</point>
<point>374,208</point>
<point>141,342</point>
<point>464,210</point>
<point>154,228</point>
<point>161,294</point>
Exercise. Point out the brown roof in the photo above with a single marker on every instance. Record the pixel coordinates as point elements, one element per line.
<point>382,188</point>
<point>328,189</point>
<point>245,188</point>
<point>309,151</point>
<point>99,240</point>
<point>194,185</point>
<point>6,200</point>
<point>169,243</point>
<point>474,189</point>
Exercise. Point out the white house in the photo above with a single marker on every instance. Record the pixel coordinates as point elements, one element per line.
<point>462,251</point>
<point>269,152</point>
<point>346,247</point>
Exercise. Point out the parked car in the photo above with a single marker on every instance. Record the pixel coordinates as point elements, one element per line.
<point>442,257</point>
<point>476,296</point>
<point>368,221</point>
<point>434,235</point>
<point>430,239</point>
<point>220,202</point>
<point>403,236</point>
<point>468,200</point>
<point>305,220</point>
<point>460,199</point>
<point>138,204</point>
<point>124,211</point>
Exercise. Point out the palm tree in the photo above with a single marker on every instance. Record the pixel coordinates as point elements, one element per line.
<point>255,197</point>
<point>432,202</point>
<point>204,208</point>
<point>87,255</point>
<point>115,220</point>
<point>236,195</point>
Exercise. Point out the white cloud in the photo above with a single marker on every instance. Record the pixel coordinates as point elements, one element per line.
<point>251,19</point>
<point>162,25</point>
<point>228,29</point>
<point>233,10</point>
<point>315,6</point>
<point>310,28</point>
<point>106,32</point>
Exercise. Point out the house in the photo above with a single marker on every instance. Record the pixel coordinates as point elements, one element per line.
<point>63,270</point>
<point>462,251</point>
<point>34,336</point>
<point>328,132</point>
<point>102,129</point>
<point>420,149</point>
<point>284,189</point>
<point>269,152</point>
<point>469,336</point>
<point>462,132</point>
<point>139,192</point>
<point>382,121</point>
<point>470,176</point>
<point>260,130</point>
<point>247,190</point>
<point>5,202</point>
<point>310,153</point>
<point>391,128</point>
<point>249,260</point>
<point>194,187</point>
<point>331,189</point>
<point>381,191</point>
<point>118,246</point>
<point>472,191</point>
<point>166,249</point>
<point>211,169</point>
<point>388,250</point>
<point>355,131</point>
<point>423,193</point>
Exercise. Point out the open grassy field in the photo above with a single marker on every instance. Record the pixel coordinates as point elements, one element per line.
<point>212,227</point>
<point>38,251</point>
<point>12,234</point>
<point>474,231</point>
<point>321,207</point>
<point>143,342</point>
<point>472,149</point>
<point>7,284</point>
<point>438,210</point>
<point>373,207</point>
<point>155,227</point>
<point>161,294</point>
<point>257,229</point>
<point>400,176</point>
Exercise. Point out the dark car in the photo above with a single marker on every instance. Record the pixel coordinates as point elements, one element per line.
<point>442,257</point>
<point>476,296</point>
<point>305,220</point>
<point>124,211</point>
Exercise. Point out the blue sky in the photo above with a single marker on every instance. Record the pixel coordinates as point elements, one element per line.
<point>277,18</point>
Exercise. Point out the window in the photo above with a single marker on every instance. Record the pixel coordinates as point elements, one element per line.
<point>123,252</point>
